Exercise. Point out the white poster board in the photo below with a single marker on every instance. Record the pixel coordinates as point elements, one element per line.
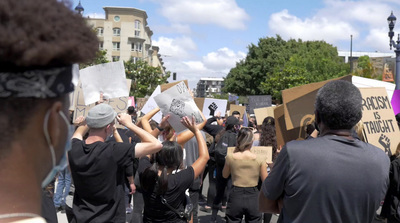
<point>108,78</point>
<point>151,104</point>
<point>211,106</point>
<point>177,102</point>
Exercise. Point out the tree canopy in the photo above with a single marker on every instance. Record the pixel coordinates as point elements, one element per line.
<point>145,78</point>
<point>275,64</point>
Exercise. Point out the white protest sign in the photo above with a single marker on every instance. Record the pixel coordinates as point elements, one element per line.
<point>108,78</point>
<point>380,125</point>
<point>177,102</point>
<point>151,104</point>
<point>211,106</point>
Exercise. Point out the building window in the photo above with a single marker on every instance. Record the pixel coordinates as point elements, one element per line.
<point>136,47</point>
<point>137,24</point>
<point>137,33</point>
<point>116,46</point>
<point>115,58</point>
<point>100,31</point>
<point>101,46</point>
<point>117,31</point>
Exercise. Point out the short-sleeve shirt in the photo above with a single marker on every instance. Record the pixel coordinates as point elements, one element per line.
<point>178,183</point>
<point>244,172</point>
<point>98,173</point>
<point>328,179</point>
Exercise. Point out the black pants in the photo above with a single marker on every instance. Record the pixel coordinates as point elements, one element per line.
<point>194,197</point>
<point>243,201</point>
<point>212,183</point>
<point>222,183</point>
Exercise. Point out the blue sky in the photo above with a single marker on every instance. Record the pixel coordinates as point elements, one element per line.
<point>205,38</point>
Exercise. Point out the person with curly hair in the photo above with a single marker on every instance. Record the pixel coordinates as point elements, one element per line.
<point>39,43</point>
<point>324,179</point>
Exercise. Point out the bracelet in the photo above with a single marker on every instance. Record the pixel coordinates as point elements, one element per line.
<point>159,128</point>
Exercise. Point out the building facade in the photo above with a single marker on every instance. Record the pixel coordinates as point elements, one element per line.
<point>125,35</point>
<point>207,87</point>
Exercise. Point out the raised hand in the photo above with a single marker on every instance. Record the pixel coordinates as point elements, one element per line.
<point>190,124</point>
<point>212,108</point>
<point>124,119</point>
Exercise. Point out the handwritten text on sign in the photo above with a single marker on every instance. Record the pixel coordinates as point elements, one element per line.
<point>380,125</point>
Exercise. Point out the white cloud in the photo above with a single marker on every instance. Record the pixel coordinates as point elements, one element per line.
<point>224,13</point>
<point>290,26</point>
<point>223,59</point>
<point>378,39</point>
<point>337,20</point>
<point>178,48</point>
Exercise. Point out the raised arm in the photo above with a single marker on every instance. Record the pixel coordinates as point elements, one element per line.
<point>82,128</point>
<point>116,134</point>
<point>146,120</point>
<point>149,144</point>
<point>200,163</point>
<point>185,136</point>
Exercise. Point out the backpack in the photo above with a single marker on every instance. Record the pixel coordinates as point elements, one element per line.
<point>221,148</point>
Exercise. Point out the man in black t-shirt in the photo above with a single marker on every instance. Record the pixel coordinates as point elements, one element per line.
<point>334,177</point>
<point>97,166</point>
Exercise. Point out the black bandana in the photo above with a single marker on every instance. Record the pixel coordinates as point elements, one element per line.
<point>39,83</point>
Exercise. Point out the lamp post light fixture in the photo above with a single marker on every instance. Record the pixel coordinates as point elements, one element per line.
<point>392,21</point>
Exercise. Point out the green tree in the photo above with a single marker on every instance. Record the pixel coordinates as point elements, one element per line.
<point>365,67</point>
<point>275,64</point>
<point>101,57</point>
<point>145,78</point>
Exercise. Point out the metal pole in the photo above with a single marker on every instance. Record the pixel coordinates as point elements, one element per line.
<point>351,53</point>
<point>397,51</point>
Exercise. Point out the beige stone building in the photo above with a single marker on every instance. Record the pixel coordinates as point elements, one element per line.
<point>125,34</point>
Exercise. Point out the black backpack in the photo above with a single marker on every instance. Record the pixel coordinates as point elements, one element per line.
<point>228,139</point>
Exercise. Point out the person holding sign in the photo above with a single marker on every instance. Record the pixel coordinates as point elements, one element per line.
<point>97,167</point>
<point>163,185</point>
<point>246,170</point>
<point>324,179</point>
<point>39,43</point>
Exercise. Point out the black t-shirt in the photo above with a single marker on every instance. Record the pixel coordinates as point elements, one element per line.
<point>328,179</point>
<point>98,173</point>
<point>178,183</point>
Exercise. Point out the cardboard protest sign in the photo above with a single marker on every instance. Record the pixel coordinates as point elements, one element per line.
<point>380,126</point>
<point>151,104</point>
<point>264,153</point>
<point>211,106</point>
<point>165,87</point>
<point>238,108</point>
<point>199,102</point>
<point>259,101</point>
<point>177,102</point>
<point>396,102</point>
<point>299,102</point>
<point>262,113</point>
<point>140,102</point>
<point>283,135</point>
<point>107,78</point>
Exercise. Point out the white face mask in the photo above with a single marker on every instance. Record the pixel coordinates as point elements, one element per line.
<point>63,162</point>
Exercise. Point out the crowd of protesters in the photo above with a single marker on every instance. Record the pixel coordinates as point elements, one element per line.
<point>148,170</point>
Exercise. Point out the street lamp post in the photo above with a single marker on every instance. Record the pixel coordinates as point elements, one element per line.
<point>392,21</point>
